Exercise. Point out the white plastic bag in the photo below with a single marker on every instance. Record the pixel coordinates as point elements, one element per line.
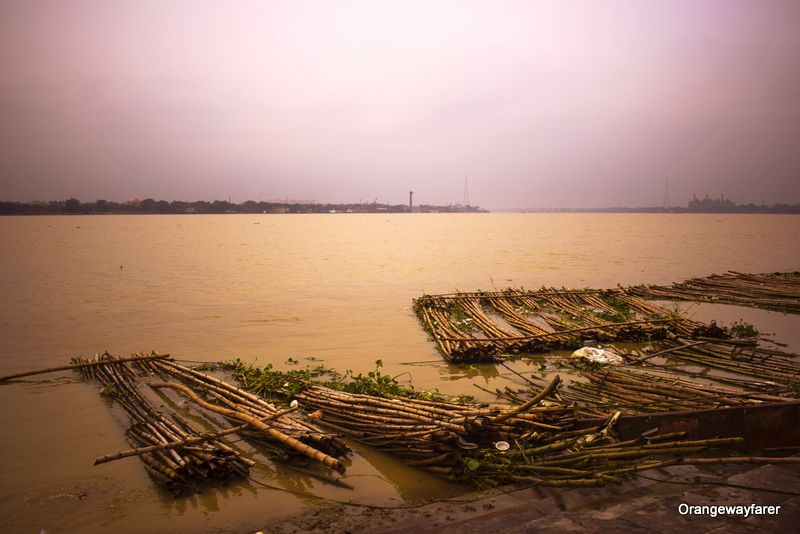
<point>596,355</point>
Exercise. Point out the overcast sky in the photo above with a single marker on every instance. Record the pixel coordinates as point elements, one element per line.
<point>540,104</point>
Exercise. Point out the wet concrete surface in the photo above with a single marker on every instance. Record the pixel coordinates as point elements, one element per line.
<point>648,503</point>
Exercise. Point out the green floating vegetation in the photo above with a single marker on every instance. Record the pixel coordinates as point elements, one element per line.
<point>268,381</point>
<point>743,330</point>
<point>460,318</point>
<point>620,311</point>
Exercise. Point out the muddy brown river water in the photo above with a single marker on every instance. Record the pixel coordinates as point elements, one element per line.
<point>264,288</point>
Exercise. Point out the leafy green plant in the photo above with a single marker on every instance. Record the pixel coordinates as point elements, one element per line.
<point>743,330</point>
<point>471,465</point>
<point>459,317</point>
<point>620,311</point>
<point>267,381</point>
<point>675,313</point>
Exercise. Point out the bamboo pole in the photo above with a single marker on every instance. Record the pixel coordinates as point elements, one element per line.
<point>287,440</point>
<point>187,441</point>
<point>666,351</point>
<point>743,460</point>
<point>561,332</point>
<point>83,365</point>
<point>529,404</point>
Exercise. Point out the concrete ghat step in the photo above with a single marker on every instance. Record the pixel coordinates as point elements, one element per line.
<point>640,504</point>
<point>657,511</point>
<point>496,513</point>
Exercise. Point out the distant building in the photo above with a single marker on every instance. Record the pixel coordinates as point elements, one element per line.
<point>706,204</point>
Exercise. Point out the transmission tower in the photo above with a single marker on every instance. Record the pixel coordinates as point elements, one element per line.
<point>466,191</point>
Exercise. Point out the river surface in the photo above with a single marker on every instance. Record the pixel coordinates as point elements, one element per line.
<point>265,288</point>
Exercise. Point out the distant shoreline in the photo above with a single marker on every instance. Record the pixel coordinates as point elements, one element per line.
<point>149,206</point>
<point>744,210</point>
<point>521,212</point>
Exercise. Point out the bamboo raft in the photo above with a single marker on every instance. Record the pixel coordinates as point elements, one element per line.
<point>463,442</point>
<point>178,467</point>
<point>772,291</point>
<point>549,432</point>
<point>685,374</point>
<point>695,367</point>
<point>175,453</point>
<point>548,436</point>
<point>470,327</point>
<point>545,440</point>
<point>482,326</point>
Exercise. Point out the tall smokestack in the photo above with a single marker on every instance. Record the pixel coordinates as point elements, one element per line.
<point>410,200</point>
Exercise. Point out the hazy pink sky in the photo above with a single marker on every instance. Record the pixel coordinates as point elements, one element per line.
<point>540,104</point>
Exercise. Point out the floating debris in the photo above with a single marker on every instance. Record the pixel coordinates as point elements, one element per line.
<point>598,355</point>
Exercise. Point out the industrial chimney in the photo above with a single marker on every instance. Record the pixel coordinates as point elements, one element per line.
<point>410,200</point>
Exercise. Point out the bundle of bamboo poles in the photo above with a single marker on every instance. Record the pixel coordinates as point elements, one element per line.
<point>594,459</point>
<point>473,327</point>
<point>171,450</point>
<point>464,442</point>
<point>452,337</point>
<point>179,456</point>
<point>286,433</point>
<point>536,442</point>
<point>431,434</point>
<point>700,373</point>
<point>633,391</point>
<point>775,291</point>
<point>761,369</point>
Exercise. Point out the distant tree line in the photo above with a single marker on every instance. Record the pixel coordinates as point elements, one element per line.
<point>746,208</point>
<point>693,208</point>
<point>152,206</point>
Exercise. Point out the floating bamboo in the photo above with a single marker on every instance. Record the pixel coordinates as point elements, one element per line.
<point>179,467</point>
<point>180,457</point>
<point>772,291</point>
<point>85,364</point>
<point>288,441</point>
<point>477,326</point>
